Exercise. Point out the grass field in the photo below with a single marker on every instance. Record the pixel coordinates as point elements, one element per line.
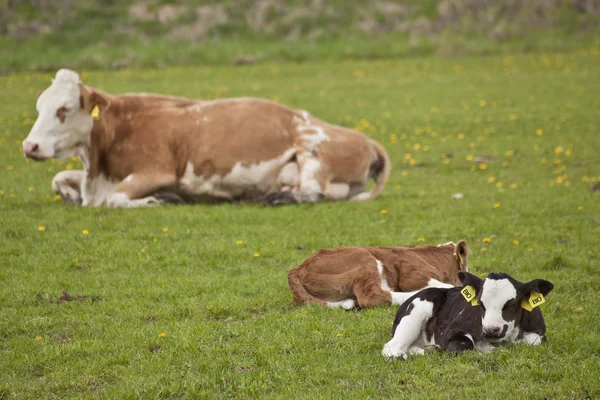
<point>192,301</point>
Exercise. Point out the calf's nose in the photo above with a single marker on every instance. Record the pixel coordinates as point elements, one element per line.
<point>30,149</point>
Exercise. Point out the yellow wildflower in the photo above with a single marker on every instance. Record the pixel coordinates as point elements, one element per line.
<point>165,230</point>
<point>421,239</point>
<point>496,205</point>
<point>339,335</point>
<point>580,208</point>
<point>85,232</point>
<point>41,228</point>
<point>162,334</point>
<point>256,255</point>
<point>486,240</point>
<point>539,132</point>
<point>239,242</point>
<point>384,211</point>
<point>483,167</point>
<point>491,179</point>
<point>516,242</point>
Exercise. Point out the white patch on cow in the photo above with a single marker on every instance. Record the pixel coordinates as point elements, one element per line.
<point>338,191</point>
<point>311,140</point>
<point>347,304</point>
<point>190,183</point>
<point>94,192</point>
<point>409,330</point>
<point>437,284</point>
<point>397,297</point>
<point>121,200</point>
<point>362,197</point>
<point>260,177</point>
<point>50,137</point>
<point>494,295</point>
<point>384,284</point>
<point>400,297</point>
<point>128,178</point>
<point>306,115</point>
<point>289,175</point>
<point>532,338</point>
<point>309,186</point>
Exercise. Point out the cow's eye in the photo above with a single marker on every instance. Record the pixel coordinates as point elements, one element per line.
<point>509,304</point>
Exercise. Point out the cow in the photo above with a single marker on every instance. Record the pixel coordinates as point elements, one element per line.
<point>480,315</point>
<point>372,276</point>
<point>147,149</point>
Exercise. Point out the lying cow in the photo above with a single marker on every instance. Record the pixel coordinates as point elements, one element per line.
<point>142,149</point>
<point>479,315</point>
<point>371,276</point>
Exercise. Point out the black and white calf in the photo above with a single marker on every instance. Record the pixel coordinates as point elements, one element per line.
<point>478,315</point>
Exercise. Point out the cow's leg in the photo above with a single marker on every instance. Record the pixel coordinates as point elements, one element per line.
<point>311,182</point>
<point>409,329</point>
<point>67,184</point>
<point>347,304</point>
<point>371,295</point>
<point>136,190</point>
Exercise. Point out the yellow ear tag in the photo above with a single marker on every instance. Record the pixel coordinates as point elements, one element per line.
<point>95,112</point>
<point>469,294</point>
<point>535,299</point>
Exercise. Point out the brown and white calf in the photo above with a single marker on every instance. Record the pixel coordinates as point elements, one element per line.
<point>372,276</point>
<point>481,315</point>
<point>144,149</point>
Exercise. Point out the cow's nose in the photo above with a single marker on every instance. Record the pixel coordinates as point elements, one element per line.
<point>30,149</point>
<point>492,331</point>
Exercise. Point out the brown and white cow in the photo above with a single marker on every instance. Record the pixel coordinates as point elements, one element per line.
<point>144,149</point>
<point>371,276</point>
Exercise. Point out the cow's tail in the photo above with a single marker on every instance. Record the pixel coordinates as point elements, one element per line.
<point>301,296</point>
<point>379,170</point>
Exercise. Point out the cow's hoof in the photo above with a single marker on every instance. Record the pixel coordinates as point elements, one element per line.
<point>279,198</point>
<point>168,198</point>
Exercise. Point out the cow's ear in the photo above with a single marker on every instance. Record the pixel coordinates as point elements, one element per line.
<point>537,285</point>
<point>468,279</point>
<point>462,250</point>
<point>92,102</point>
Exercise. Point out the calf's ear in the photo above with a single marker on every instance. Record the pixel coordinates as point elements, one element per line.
<point>462,248</point>
<point>537,285</point>
<point>470,280</point>
<point>461,251</point>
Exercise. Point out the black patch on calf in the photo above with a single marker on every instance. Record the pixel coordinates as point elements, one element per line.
<point>458,342</point>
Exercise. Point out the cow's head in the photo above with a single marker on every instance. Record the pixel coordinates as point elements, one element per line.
<point>64,120</point>
<point>499,298</point>
<point>452,266</point>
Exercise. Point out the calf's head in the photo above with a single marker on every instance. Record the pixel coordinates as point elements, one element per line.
<point>64,120</point>
<point>500,298</point>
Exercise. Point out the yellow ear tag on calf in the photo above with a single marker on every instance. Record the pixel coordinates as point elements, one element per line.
<point>470,294</point>
<point>95,112</point>
<point>535,299</point>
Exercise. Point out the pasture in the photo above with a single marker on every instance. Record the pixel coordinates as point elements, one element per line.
<point>192,301</point>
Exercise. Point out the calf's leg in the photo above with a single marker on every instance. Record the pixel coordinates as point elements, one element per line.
<point>409,329</point>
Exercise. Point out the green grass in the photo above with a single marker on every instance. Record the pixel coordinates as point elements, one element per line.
<point>231,327</point>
